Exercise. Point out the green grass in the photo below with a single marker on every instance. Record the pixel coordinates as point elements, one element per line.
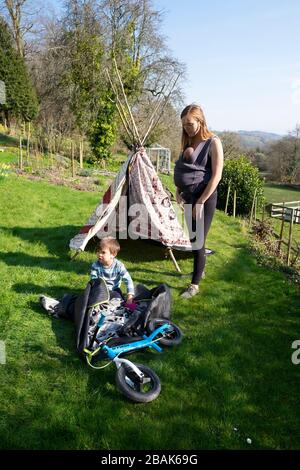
<point>233,368</point>
<point>280,193</point>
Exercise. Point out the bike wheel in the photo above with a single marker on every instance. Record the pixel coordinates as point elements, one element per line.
<point>133,388</point>
<point>171,337</point>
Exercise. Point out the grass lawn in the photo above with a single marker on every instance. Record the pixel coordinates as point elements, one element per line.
<point>280,193</point>
<point>232,370</point>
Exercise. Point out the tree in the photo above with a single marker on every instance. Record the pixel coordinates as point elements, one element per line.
<point>103,133</point>
<point>284,158</point>
<point>257,158</point>
<point>21,16</point>
<point>133,38</point>
<point>21,100</point>
<point>82,35</point>
<point>231,142</point>
<point>76,48</point>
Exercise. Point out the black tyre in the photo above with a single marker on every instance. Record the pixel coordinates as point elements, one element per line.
<point>171,338</point>
<point>133,388</point>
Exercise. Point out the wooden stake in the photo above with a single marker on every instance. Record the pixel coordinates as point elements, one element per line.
<point>72,158</point>
<point>81,153</point>
<point>290,237</point>
<point>21,154</point>
<point>28,141</point>
<point>51,155</point>
<point>77,253</point>
<point>170,252</point>
<point>252,207</point>
<point>234,203</point>
<point>281,229</point>
<point>227,198</point>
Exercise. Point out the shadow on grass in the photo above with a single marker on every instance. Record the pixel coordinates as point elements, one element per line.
<point>56,240</point>
<point>52,264</point>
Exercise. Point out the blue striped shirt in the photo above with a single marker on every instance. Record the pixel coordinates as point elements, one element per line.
<point>114,275</point>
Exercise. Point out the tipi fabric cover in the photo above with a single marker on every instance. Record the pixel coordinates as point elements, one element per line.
<point>137,179</point>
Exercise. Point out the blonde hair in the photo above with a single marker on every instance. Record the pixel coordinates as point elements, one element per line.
<point>111,243</point>
<point>198,114</point>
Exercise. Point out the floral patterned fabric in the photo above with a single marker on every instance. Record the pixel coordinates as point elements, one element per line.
<point>135,202</point>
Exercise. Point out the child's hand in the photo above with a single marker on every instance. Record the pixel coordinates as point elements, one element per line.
<point>129,298</point>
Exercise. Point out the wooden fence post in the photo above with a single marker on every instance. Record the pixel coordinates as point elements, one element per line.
<point>252,207</point>
<point>72,158</point>
<point>281,229</point>
<point>290,237</point>
<point>81,153</point>
<point>21,154</point>
<point>234,203</point>
<point>227,198</point>
<point>28,142</point>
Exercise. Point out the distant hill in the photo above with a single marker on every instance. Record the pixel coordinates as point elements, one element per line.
<point>257,138</point>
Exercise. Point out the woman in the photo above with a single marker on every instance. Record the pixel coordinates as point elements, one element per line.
<point>197,174</point>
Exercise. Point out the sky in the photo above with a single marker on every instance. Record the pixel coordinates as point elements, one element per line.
<point>242,59</point>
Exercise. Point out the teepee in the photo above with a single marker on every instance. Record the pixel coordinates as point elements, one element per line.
<point>136,204</point>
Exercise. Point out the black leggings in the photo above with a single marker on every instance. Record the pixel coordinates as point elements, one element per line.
<point>199,255</point>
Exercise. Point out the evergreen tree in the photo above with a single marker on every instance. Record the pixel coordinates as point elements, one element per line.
<point>21,100</point>
<point>103,131</point>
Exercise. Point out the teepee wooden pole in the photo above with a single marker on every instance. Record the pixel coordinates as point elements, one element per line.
<point>127,104</point>
<point>151,120</point>
<point>157,104</point>
<point>163,104</point>
<point>121,110</point>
